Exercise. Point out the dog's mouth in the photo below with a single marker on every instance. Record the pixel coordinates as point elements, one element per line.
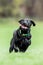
<point>23,27</point>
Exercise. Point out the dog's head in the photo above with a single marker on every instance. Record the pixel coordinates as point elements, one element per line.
<point>26,23</point>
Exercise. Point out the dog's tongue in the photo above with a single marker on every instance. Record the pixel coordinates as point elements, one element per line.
<point>24,27</point>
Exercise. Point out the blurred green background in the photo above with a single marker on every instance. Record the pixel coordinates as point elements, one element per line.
<point>11,11</point>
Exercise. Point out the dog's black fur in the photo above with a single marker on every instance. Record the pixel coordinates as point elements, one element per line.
<point>21,43</point>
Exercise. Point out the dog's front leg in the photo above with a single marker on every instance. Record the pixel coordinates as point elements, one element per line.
<point>11,45</point>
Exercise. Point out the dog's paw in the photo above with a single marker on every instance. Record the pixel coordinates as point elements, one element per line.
<point>10,50</point>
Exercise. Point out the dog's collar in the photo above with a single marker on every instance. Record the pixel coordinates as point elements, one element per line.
<point>28,34</point>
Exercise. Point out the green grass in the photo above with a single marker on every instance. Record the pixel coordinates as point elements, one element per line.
<point>33,55</point>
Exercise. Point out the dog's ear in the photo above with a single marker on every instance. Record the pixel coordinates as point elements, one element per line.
<point>21,21</point>
<point>32,22</point>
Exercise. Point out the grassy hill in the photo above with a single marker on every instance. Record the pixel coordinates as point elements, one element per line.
<point>33,55</point>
